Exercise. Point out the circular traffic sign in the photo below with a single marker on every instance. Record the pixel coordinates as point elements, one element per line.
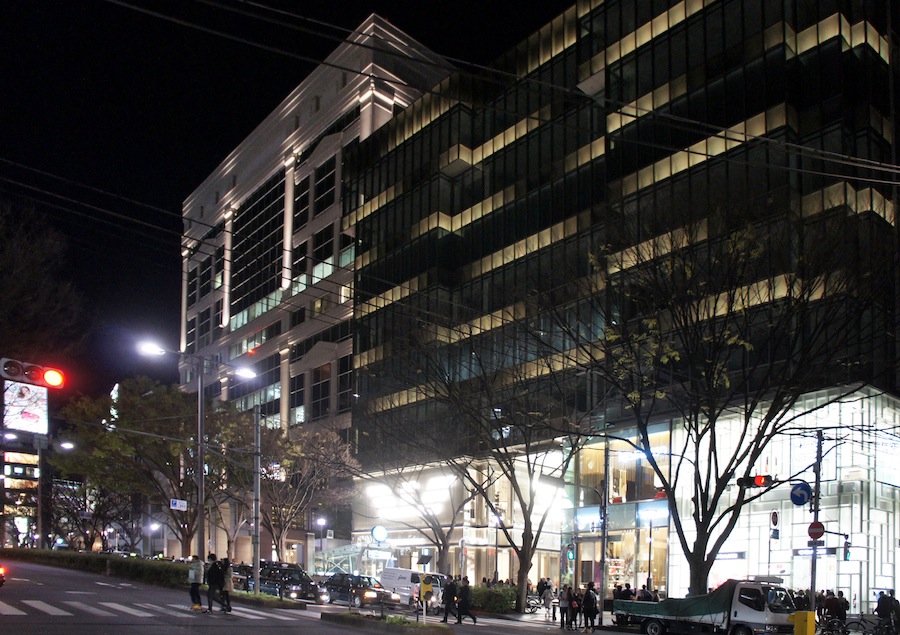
<point>774,518</point>
<point>816,530</point>
<point>801,493</point>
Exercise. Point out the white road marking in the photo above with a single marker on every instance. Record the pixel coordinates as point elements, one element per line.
<point>45,608</point>
<point>126,609</point>
<point>87,608</point>
<point>6,609</point>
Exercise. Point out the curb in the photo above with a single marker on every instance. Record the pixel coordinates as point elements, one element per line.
<point>379,626</point>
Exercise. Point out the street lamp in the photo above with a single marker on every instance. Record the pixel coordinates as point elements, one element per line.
<point>153,349</point>
<point>321,522</point>
<point>153,528</point>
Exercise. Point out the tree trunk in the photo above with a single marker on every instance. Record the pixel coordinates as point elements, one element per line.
<point>699,572</point>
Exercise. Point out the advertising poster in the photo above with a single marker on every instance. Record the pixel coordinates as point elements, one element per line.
<point>25,407</point>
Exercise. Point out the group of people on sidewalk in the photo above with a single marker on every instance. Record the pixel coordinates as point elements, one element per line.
<point>457,599</point>
<point>217,576</point>
<point>578,609</point>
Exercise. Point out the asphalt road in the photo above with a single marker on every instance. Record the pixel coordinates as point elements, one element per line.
<point>41,600</point>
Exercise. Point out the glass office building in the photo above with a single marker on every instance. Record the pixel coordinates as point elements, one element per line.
<point>620,122</point>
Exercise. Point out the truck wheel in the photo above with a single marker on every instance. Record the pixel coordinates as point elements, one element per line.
<point>654,627</point>
<point>741,630</point>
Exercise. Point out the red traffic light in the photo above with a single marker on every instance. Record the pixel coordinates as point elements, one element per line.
<point>27,373</point>
<point>756,481</point>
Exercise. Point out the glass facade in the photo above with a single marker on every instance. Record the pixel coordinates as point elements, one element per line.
<point>626,122</point>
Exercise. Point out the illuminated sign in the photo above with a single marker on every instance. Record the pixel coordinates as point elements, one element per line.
<point>25,407</point>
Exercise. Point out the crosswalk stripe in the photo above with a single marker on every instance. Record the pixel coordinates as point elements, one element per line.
<point>45,608</point>
<point>126,609</point>
<point>266,614</point>
<point>87,608</point>
<point>248,614</point>
<point>6,609</point>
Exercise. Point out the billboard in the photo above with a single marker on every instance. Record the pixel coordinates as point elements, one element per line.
<point>25,407</point>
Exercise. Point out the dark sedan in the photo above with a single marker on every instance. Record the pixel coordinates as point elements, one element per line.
<point>359,591</point>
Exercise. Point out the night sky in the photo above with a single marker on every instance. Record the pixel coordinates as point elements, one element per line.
<point>112,113</point>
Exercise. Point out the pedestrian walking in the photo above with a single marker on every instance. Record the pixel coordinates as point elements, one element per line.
<point>195,579</point>
<point>564,607</point>
<point>464,605</point>
<point>589,607</point>
<point>547,600</point>
<point>215,581</point>
<point>449,598</point>
<point>575,609</point>
<point>228,587</point>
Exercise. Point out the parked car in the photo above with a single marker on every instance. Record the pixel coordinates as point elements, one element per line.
<point>2,575</point>
<point>287,580</point>
<point>359,591</point>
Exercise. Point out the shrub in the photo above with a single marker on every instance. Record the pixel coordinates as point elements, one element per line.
<point>159,572</point>
<point>495,599</point>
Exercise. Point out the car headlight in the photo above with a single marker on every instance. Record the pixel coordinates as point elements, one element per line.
<point>395,597</point>
<point>370,594</point>
<point>293,595</point>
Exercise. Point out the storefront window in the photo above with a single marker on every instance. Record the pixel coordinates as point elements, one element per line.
<point>632,478</point>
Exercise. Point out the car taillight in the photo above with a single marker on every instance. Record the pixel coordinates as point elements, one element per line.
<point>2,571</point>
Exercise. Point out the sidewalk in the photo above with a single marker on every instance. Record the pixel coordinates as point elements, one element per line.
<point>539,618</point>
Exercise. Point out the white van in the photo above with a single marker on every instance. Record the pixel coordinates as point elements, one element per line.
<point>405,583</point>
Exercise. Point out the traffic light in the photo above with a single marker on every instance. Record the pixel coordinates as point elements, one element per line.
<point>570,551</point>
<point>846,550</point>
<point>29,373</point>
<point>756,481</point>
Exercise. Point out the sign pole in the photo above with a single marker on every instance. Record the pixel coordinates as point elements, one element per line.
<point>817,469</point>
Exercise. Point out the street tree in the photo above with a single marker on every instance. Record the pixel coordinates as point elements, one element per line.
<point>498,410</point>
<point>143,440</point>
<point>299,470</point>
<point>721,326</point>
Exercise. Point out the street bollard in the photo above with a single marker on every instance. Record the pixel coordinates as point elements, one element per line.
<point>804,622</point>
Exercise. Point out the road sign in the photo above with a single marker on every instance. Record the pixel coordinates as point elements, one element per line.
<point>178,504</point>
<point>801,493</point>
<point>815,543</point>
<point>774,519</point>
<point>816,530</point>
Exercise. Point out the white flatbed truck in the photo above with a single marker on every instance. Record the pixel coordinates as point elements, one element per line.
<point>738,607</point>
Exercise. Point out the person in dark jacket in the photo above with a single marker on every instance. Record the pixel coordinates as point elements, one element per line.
<point>464,605</point>
<point>449,598</point>
<point>215,581</point>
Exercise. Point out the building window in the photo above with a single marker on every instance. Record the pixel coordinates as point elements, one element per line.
<point>219,278</point>
<point>325,186</point>
<point>192,287</point>
<point>323,254</point>
<point>206,268</point>
<point>345,383</point>
<point>297,403</point>
<point>217,319</point>
<point>321,392</point>
<point>191,336</point>
<point>298,317</point>
<point>204,328</point>
<point>348,251</point>
<point>301,204</point>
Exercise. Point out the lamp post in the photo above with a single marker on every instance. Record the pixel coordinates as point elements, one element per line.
<point>150,348</point>
<point>321,522</point>
<point>257,443</point>
<point>153,528</point>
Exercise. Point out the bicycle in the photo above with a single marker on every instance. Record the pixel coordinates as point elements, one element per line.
<point>869,626</point>
<point>832,626</point>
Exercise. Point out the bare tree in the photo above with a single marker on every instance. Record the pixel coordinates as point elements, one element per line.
<point>299,469</point>
<point>721,326</point>
<point>500,413</point>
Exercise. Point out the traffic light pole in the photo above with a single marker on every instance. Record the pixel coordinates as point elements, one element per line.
<point>817,470</point>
